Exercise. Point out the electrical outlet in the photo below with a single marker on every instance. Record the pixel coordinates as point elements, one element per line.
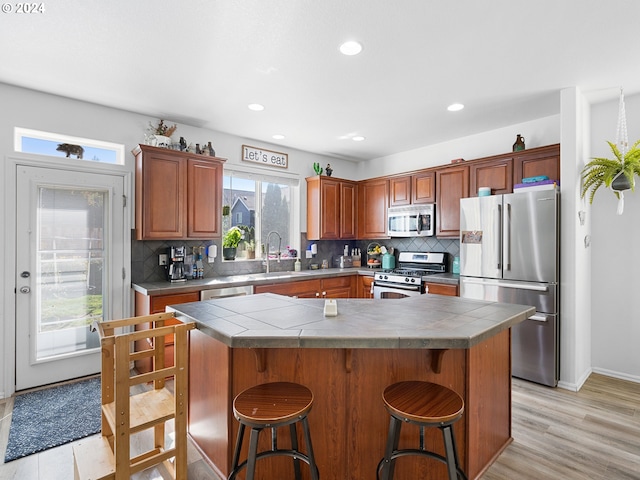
<point>162,259</point>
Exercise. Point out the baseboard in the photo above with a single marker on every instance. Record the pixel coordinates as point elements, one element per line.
<point>618,375</point>
<point>575,387</point>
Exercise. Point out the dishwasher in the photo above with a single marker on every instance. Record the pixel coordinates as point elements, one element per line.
<point>224,292</point>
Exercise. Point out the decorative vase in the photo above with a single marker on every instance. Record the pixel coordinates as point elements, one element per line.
<point>328,170</point>
<point>229,253</point>
<point>161,141</point>
<point>620,182</point>
<point>519,145</point>
<point>212,152</point>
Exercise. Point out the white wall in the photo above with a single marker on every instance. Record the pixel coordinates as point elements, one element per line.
<point>537,133</point>
<point>575,257</point>
<point>615,239</point>
<point>38,111</point>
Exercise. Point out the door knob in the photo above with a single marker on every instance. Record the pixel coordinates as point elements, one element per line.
<point>25,289</point>
<point>25,274</point>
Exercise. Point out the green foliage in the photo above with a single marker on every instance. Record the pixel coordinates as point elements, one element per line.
<point>232,238</point>
<point>317,168</point>
<point>601,171</point>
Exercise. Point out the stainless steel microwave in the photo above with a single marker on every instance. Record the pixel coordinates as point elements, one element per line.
<point>411,221</point>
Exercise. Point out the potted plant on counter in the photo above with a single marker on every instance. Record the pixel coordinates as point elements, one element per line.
<point>230,243</point>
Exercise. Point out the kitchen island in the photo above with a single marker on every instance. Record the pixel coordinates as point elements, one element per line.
<point>347,361</point>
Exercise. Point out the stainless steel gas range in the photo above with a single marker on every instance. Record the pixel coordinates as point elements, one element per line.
<point>407,279</point>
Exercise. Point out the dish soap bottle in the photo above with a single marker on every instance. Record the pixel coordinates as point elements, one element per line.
<point>297,265</point>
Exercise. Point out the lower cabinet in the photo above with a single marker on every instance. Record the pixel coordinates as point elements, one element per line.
<point>442,289</point>
<point>336,287</point>
<point>365,286</point>
<point>149,304</point>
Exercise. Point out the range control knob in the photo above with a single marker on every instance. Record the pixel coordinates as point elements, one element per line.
<point>406,280</point>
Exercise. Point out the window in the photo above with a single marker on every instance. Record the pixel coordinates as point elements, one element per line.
<point>57,145</point>
<point>259,204</point>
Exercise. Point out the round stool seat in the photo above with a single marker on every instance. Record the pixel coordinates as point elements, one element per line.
<point>423,402</point>
<point>272,403</point>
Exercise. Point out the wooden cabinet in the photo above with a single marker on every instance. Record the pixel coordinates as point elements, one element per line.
<point>423,187</point>
<point>365,286</point>
<point>537,161</point>
<point>400,191</point>
<point>441,289</point>
<point>178,195</point>
<point>335,287</point>
<point>373,197</point>
<point>495,174</point>
<point>151,304</point>
<point>453,184</point>
<point>415,189</point>
<point>331,208</point>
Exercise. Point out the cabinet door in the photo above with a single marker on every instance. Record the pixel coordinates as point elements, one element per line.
<point>204,199</point>
<point>399,191</point>
<point>539,161</point>
<point>161,196</point>
<point>329,210</point>
<point>338,287</point>
<point>423,188</point>
<point>365,286</point>
<point>441,289</point>
<point>348,202</point>
<point>373,197</point>
<point>453,184</point>
<point>301,288</point>
<point>495,174</point>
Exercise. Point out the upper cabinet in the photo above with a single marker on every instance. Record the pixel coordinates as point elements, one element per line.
<point>453,184</point>
<point>331,208</point>
<point>495,174</point>
<point>373,198</point>
<point>400,191</point>
<point>418,188</point>
<point>178,194</point>
<point>423,187</point>
<point>536,162</point>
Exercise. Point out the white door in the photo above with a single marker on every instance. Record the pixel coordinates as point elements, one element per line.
<point>69,270</point>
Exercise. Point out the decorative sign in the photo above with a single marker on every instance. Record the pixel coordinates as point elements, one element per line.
<point>265,157</point>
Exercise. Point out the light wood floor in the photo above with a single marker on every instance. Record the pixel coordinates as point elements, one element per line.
<point>592,434</point>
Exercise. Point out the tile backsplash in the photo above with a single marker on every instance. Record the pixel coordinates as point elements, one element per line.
<point>145,268</point>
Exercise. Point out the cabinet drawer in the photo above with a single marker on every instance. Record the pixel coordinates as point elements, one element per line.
<point>158,303</point>
<point>336,282</point>
<point>442,289</point>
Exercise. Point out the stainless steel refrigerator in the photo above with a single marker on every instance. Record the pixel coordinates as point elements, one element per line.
<point>509,252</point>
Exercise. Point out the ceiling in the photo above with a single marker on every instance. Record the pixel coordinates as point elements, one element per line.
<point>202,62</point>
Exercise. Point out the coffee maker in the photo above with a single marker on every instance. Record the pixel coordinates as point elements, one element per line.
<point>175,268</point>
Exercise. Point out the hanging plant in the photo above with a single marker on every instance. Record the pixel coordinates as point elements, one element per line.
<point>618,173</point>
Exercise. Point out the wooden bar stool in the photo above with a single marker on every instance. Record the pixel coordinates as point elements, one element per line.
<point>273,405</point>
<point>427,405</point>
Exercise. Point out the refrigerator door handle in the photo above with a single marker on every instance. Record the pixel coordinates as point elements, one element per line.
<point>497,236</point>
<point>520,286</point>
<point>507,237</point>
<point>538,318</point>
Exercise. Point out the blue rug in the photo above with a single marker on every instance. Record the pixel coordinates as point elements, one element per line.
<point>54,416</point>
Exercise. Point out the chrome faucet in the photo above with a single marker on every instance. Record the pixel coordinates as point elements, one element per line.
<point>268,249</point>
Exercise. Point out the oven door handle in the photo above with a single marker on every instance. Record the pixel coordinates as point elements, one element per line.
<point>398,286</point>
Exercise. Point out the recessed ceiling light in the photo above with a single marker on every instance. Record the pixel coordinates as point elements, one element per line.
<point>278,136</point>
<point>358,138</point>
<point>454,107</point>
<point>256,107</point>
<point>351,48</point>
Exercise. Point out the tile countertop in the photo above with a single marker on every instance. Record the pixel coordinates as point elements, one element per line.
<point>426,321</point>
<point>168,288</point>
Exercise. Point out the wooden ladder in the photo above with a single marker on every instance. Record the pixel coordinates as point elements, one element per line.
<point>125,412</point>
